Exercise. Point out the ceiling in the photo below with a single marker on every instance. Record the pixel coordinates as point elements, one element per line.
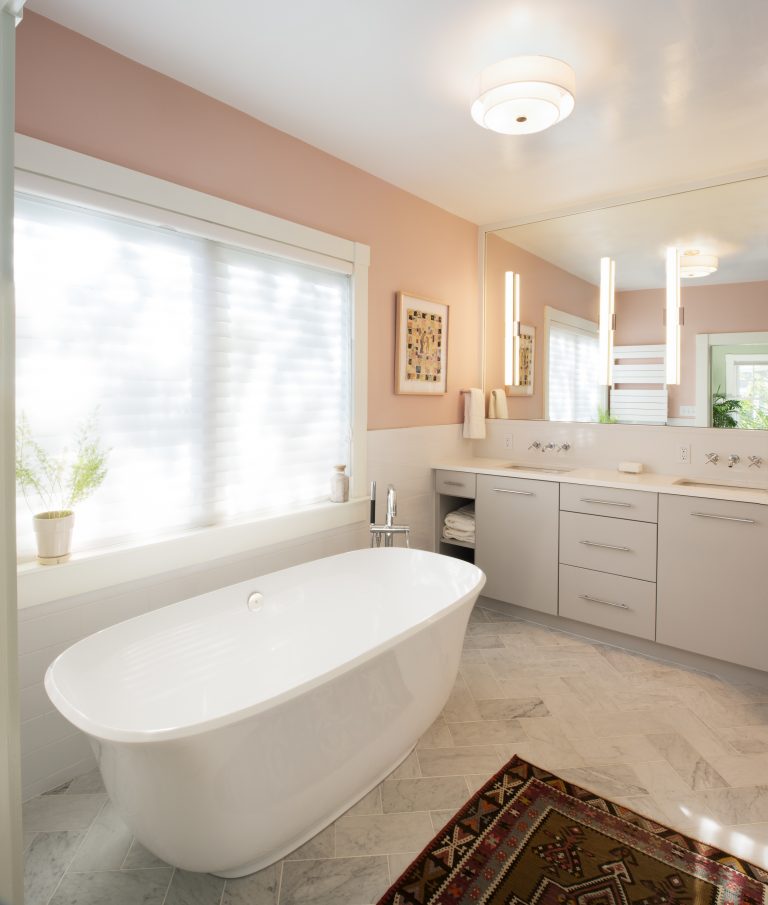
<point>668,92</point>
<point>730,221</point>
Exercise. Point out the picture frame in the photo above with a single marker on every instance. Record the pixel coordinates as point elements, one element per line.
<point>527,362</point>
<point>421,346</point>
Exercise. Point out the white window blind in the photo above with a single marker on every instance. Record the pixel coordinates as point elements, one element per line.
<point>222,376</point>
<point>573,391</point>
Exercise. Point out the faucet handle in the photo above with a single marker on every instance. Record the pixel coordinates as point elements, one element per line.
<point>756,461</point>
<point>712,458</point>
<point>535,445</point>
<point>564,447</point>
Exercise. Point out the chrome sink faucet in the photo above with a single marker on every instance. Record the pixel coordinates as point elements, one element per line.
<point>733,459</point>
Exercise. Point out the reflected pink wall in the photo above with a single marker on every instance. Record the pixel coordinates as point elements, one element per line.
<point>724,308</point>
<point>81,95</point>
<point>541,284</point>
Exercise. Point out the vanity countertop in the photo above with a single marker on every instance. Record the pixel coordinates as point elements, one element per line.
<point>756,492</point>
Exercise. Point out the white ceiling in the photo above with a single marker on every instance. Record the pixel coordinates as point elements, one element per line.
<point>669,92</point>
<point>730,221</point>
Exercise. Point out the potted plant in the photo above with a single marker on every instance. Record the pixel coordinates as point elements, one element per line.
<point>60,483</point>
<point>725,411</point>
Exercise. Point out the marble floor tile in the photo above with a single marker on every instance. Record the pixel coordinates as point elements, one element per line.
<point>461,706</point>
<point>458,761</point>
<point>437,736</point>
<point>380,834</point>
<point>323,845</point>
<point>408,769</point>
<point>627,749</point>
<point>440,818</point>
<point>742,770</point>
<point>512,708</point>
<point>482,642</point>
<point>368,804</point>
<point>398,862</point>
<point>139,858</point>
<point>335,881</point>
<point>28,839</point>
<point>481,682</point>
<point>746,739</point>
<point>114,887</point>
<point>62,812</point>
<point>427,794</point>
<point>737,805</point>
<point>607,779</point>
<point>106,843</point>
<point>87,782</point>
<point>486,732</point>
<point>194,889</point>
<point>46,859</point>
<point>687,762</point>
<point>261,888</point>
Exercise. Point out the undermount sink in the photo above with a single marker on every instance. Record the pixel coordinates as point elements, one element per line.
<point>685,482</point>
<point>545,469</point>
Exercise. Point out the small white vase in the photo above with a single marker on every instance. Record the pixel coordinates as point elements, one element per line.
<point>54,536</point>
<point>339,485</point>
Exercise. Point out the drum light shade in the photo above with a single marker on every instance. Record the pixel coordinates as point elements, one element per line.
<point>521,95</point>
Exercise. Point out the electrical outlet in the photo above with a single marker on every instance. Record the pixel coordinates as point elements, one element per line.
<point>687,411</point>
<point>684,455</point>
<point>508,443</point>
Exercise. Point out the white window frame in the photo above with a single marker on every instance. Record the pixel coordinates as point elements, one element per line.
<point>704,343</point>
<point>54,172</point>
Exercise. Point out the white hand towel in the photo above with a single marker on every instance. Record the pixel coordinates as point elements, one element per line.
<point>474,415</point>
<point>499,403</point>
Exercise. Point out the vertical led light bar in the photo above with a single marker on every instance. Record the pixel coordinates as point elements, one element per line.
<point>673,317</point>
<point>512,329</point>
<point>607,319</point>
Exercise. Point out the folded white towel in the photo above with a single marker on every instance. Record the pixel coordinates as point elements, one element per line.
<point>474,415</point>
<point>454,534</point>
<point>498,404</point>
<point>463,522</point>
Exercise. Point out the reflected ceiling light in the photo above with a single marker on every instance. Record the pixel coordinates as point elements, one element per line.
<point>607,319</point>
<point>524,94</point>
<point>673,317</point>
<point>693,264</point>
<point>512,329</point>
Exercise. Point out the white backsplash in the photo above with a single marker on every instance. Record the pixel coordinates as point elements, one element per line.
<point>605,445</point>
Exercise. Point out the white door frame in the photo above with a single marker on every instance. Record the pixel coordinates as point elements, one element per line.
<point>11,875</point>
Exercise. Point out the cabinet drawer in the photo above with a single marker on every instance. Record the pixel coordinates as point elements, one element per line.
<point>638,505</point>
<point>622,604</point>
<point>456,483</point>
<point>608,545</point>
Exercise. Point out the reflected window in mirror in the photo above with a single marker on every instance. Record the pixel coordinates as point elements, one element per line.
<point>573,363</point>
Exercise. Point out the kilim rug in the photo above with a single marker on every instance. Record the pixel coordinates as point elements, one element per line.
<point>530,838</point>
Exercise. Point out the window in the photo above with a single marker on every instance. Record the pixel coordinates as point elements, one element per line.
<point>572,392</point>
<point>222,375</point>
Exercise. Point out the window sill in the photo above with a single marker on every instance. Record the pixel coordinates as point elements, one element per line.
<point>95,570</point>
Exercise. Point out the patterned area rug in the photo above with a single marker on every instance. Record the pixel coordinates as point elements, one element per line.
<point>530,838</point>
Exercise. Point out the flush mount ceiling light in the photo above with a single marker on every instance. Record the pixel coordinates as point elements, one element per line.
<point>693,264</point>
<point>524,94</point>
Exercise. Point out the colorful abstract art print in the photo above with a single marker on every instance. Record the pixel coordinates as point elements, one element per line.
<point>421,351</point>
<point>527,350</point>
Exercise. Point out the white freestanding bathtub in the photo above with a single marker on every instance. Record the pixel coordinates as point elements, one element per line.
<point>227,736</point>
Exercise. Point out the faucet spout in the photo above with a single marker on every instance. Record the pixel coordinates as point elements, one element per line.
<point>391,505</point>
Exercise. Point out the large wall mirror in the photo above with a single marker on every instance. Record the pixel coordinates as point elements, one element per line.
<point>720,232</point>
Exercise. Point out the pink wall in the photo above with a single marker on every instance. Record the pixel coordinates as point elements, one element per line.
<point>723,308</point>
<point>541,284</point>
<point>80,95</point>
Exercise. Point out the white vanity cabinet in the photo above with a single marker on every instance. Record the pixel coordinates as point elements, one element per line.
<point>516,540</point>
<point>713,578</point>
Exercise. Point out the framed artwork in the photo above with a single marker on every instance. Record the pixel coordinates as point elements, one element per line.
<point>527,350</point>
<point>421,346</point>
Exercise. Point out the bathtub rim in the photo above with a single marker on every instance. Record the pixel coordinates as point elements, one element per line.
<point>106,733</point>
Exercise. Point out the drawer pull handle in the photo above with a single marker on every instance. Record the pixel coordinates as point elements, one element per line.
<point>453,483</point>
<point>518,492</point>
<point>593,543</point>
<point>607,503</point>
<point>621,606</point>
<point>725,518</point>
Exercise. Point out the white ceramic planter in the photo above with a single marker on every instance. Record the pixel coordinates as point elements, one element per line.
<point>54,536</point>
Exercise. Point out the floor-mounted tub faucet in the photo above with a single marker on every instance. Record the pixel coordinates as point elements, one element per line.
<point>387,531</point>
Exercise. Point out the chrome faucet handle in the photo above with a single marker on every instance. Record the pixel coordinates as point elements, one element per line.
<point>564,447</point>
<point>733,459</point>
<point>535,445</point>
<point>756,461</point>
<point>712,458</point>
